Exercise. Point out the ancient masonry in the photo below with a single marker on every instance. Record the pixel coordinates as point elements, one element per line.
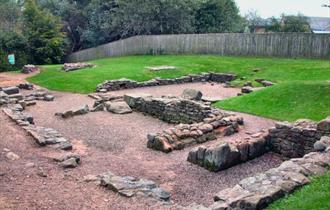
<point>124,83</point>
<point>291,140</point>
<point>297,139</point>
<point>202,123</point>
<point>14,105</point>
<point>259,191</point>
<point>226,155</point>
<point>76,66</point>
<point>129,186</point>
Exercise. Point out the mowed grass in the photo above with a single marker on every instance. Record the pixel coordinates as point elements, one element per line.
<point>285,101</point>
<point>315,196</point>
<point>135,67</point>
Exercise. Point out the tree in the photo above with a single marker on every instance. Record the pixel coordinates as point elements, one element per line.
<point>297,23</point>
<point>73,16</point>
<point>274,25</point>
<point>216,16</point>
<point>10,13</point>
<point>43,32</point>
<point>153,17</point>
<point>253,20</point>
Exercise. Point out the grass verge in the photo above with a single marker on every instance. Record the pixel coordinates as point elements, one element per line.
<point>315,196</point>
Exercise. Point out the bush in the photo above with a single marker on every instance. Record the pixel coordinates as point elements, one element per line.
<point>12,43</point>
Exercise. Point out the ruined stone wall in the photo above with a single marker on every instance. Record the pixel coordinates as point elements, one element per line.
<point>226,155</point>
<point>169,109</point>
<point>294,140</point>
<point>111,85</point>
<point>183,135</point>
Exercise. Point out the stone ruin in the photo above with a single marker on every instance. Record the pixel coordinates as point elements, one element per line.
<point>291,140</point>
<point>226,155</point>
<point>183,135</point>
<point>76,66</point>
<point>27,69</point>
<point>198,122</point>
<point>12,95</point>
<point>259,191</point>
<point>161,68</point>
<point>169,109</point>
<point>130,186</point>
<point>112,85</point>
<point>294,140</point>
<point>14,105</point>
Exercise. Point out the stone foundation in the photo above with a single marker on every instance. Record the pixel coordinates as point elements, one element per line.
<point>226,155</point>
<point>188,134</point>
<point>112,85</point>
<point>43,136</point>
<point>76,66</point>
<point>130,186</point>
<point>294,140</point>
<point>169,109</point>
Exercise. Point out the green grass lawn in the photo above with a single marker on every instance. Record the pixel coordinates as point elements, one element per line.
<point>315,196</point>
<point>134,67</point>
<point>285,101</point>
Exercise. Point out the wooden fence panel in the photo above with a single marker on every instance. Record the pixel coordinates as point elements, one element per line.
<point>288,45</point>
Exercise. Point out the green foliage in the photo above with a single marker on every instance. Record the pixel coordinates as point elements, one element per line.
<point>217,16</point>
<point>45,40</point>
<point>314,196</point>
<point>12,42</point>
<point>156,17</point>
<point>297,23</point>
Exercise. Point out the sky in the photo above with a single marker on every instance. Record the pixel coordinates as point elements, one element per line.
<point>269,8</point>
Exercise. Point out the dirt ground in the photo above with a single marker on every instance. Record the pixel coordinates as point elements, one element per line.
<point>117,143</point>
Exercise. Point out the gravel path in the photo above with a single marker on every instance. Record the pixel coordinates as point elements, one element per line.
<point>116,143</point>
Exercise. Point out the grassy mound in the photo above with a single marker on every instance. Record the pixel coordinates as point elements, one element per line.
<point>285,101</point>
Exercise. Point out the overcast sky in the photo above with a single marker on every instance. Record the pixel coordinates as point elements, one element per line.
<point>268,8</point>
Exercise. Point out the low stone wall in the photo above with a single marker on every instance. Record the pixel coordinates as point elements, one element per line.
<point>43,136</point>
<point>297,139</point>
<point>112,85</point>
<point>226,155</point>
<point>188,134</point>
<point>169,109</point>
<point>259,191</point>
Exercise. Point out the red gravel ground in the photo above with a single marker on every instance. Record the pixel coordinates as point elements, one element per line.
<point>112,142</point>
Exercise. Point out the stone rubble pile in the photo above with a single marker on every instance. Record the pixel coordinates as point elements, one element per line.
<point>182,135</point>
<point>26,86</point>
<point>192,94</point>
<point>297,139</point>
<point>130,186</point>
<point>111,85</point>
<point>226,155</point>
<point>264,82</point>
<point>11,95</point>
<point>169,109</point>
<point>69,160</point>
<point>117,107</point>
<point>27,69</point>
<point>73,112</point>
<point>76,66</point>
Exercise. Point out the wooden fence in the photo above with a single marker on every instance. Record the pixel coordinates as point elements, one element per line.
<point>288,45</point>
